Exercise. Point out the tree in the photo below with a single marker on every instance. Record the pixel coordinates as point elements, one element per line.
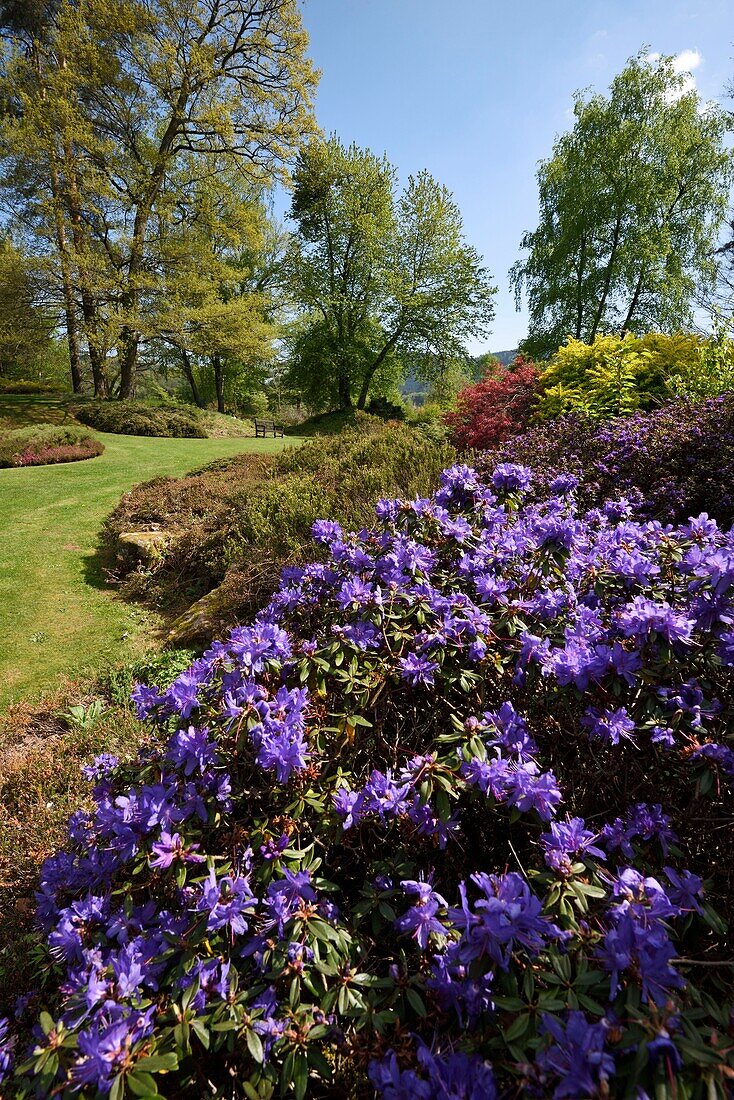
<point>380,276</point>
<point>110,104</point>
<point>493,410</point>
<point>630,205</point>
<point>26,324</point>
<point>210,299</point>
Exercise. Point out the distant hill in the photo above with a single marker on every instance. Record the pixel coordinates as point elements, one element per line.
<point>504,357</point>
<point>413,385</point>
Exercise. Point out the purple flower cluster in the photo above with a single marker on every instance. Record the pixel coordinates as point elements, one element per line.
<point>506,918</point>
<point>454,1076</point>
<point>638,939</point>
<point>514,778</point>
<point>384,797</point>
<point>576,1058</point>
<point>192,892</point>
<point>675,461</point>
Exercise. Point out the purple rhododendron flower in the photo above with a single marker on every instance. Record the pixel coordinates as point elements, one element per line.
<point>576,1058</point>
<point>7,1048</point>
<point>566,840</point>
<point>171,849</point>
<point>227,901</point>
<point>510,477</point>
<point>611,726</point>
<point>418,670</point>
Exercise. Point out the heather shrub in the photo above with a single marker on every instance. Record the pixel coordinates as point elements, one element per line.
<point>45,444</point>
<point>614,375</point>
<point>495,409</point>
<point>240,523</point>
<point>674,462</point>
<point>385,408</point>
<point>29,387</point>
<point>135,418</point>
<point>450,818</point>
<point>428,422</point>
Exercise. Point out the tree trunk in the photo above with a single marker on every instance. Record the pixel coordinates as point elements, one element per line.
<point>635,300</point>
<point>128,357</point>
<point>345,396</point>
<point>219,381</point>
<point>607,279</point>
<point>579,288</point>
<point>372,370</point>
<point>89,306</point>
<point>130,337</point>
<point>72,328</point>
<point>67,282</point>
<point>191,378</point>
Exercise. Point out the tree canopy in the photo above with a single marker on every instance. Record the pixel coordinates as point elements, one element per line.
<point>380,275</point>
<point>114,113</point>
<point>631,202</point>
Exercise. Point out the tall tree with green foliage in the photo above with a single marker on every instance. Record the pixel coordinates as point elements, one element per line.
<point>105,108</point>
<point>631,202</point>
<point>26,322</point>
<point>212,304</point>
<point>380,275</point>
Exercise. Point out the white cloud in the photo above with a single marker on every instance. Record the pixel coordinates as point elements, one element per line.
<point>685,64</point>
<point>687,61</point>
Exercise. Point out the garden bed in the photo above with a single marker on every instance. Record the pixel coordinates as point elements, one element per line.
<point>455,807</point>
<point>238,523</point>
<point>46,445</point>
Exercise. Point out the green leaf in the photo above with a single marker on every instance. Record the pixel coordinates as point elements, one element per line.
<point>416,1002</point>
<point>190,993</point>
<point>157,1063</point>
<point>254,1045</point>
<point>300,1075</point>
<point>201,1031</point>
<point>142,1084</point>
<point>118,1088</point>
<point>517,1028</point>
<point>48,1024</point>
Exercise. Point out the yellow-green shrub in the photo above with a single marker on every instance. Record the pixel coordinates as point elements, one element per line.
<point>615,375</point>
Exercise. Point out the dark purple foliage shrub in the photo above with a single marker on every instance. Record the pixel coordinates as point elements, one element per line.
<point>451,818</point>
<point>677,461</point>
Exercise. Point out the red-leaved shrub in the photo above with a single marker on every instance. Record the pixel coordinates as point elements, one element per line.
<point>496,408</point>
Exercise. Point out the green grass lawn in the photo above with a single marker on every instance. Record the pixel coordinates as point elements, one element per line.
<point>56,617</point>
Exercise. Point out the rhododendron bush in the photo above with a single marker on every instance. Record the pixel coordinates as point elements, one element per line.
<point>451,818</point>
<point>674,462</point>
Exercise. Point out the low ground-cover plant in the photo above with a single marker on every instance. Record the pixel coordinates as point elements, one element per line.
<point>495,409</point>
<point>22,387</point>
<point>43,748</point>
<point>237,524</point>
<point>136,418</point>
<point>672,462</point>
<point>451,818</point>
<point>45,444</point>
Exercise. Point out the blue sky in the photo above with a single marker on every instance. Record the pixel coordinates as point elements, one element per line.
<point>475,91</point>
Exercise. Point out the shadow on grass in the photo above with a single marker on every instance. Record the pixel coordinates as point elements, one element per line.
<point>41,409</point>
<point>97,568</point>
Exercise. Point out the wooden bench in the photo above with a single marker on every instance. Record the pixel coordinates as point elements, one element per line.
<point>266,427</point>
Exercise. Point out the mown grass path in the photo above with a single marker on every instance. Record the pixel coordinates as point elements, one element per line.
<point>55,615</point>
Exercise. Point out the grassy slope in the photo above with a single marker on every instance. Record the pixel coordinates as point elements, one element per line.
<point>55,616</point>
